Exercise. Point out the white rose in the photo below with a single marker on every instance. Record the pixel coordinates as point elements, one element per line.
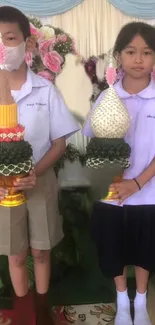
<point>48,32</point>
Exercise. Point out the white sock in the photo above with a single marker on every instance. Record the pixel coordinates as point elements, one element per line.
<point>123,316</point>
<point>141,314</point>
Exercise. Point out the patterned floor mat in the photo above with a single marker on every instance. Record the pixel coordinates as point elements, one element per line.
<point>95,314</point>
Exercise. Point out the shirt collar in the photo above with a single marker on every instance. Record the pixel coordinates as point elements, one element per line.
<point>32,81</point>
<point>36,80</point>
<point>147,93</point>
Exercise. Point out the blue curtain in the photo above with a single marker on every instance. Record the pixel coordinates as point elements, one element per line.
<point>138,8</point>
<point>42,7</point>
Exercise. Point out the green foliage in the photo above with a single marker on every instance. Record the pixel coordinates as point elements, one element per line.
<point>58,31</point>
<point>36,22</point>
<point>112,149</point>
<point>30,270</point>
<point>72,154</point>
<point>15,152</point>
<point>64,49</point>
<point>4,274</point>
<point>76,247</point>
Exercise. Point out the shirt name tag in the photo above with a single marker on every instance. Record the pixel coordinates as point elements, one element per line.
<point>36,104</point>
<point>150,116</point>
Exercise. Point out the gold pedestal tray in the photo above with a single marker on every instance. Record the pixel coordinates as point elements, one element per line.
<point>110,194</point>
<point>13,198</point>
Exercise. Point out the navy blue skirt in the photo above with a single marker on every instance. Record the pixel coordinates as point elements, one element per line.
<point>123,236</point>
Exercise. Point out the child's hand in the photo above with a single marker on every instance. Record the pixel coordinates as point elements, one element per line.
<point>25,183</point>
<point>123,189</point>
<point>3,193</point>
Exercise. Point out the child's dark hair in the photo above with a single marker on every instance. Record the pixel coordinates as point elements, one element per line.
<point>129,31</point>
<point>13,15</point>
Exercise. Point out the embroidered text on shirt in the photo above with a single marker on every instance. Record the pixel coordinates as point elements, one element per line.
<point>38,104</point>
<point>150,116</point>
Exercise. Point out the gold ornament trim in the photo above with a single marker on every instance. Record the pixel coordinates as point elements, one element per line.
<point>111,194</point>
<point>13,200</point>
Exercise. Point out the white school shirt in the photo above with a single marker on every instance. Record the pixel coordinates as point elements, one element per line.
<point>140,137</point>
<point>43,113</point>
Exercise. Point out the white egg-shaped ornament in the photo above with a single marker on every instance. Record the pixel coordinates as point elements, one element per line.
<point>109,122</point>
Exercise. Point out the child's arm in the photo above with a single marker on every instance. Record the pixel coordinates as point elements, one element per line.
<point>51,157</point>
<point>61,126</point>
<point>147,174</point>
<point>25,183</point>
<point>128,187</point>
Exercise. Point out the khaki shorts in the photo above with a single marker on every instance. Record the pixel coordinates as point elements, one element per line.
<point>36,223</point>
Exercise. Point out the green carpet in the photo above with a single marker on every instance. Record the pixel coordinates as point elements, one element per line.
<point>78,286</point>
<point>6,300</point>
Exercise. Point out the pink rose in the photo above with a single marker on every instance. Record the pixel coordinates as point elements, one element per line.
<point>62,38</point>
<point>2,53</point>
<point>74,47</point>
<point>46,74</point>
<point>29,59</point>
<point>52,61</point>
<point>36,32</point>
<point>45,46</point>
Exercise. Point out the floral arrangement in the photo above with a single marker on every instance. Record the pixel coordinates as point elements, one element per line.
<point>53,44</point>
<point>90,69</point>
<point>99,83</point>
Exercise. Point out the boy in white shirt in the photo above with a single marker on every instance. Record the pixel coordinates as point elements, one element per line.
<point>47,122</point>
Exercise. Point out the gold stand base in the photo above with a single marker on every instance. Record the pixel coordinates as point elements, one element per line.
<point>13,200</point>
<point>110,195</point>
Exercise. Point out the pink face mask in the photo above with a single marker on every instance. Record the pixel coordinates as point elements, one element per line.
<point>11,58</point>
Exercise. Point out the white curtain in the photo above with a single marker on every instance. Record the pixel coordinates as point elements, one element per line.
<point>94,24</point>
